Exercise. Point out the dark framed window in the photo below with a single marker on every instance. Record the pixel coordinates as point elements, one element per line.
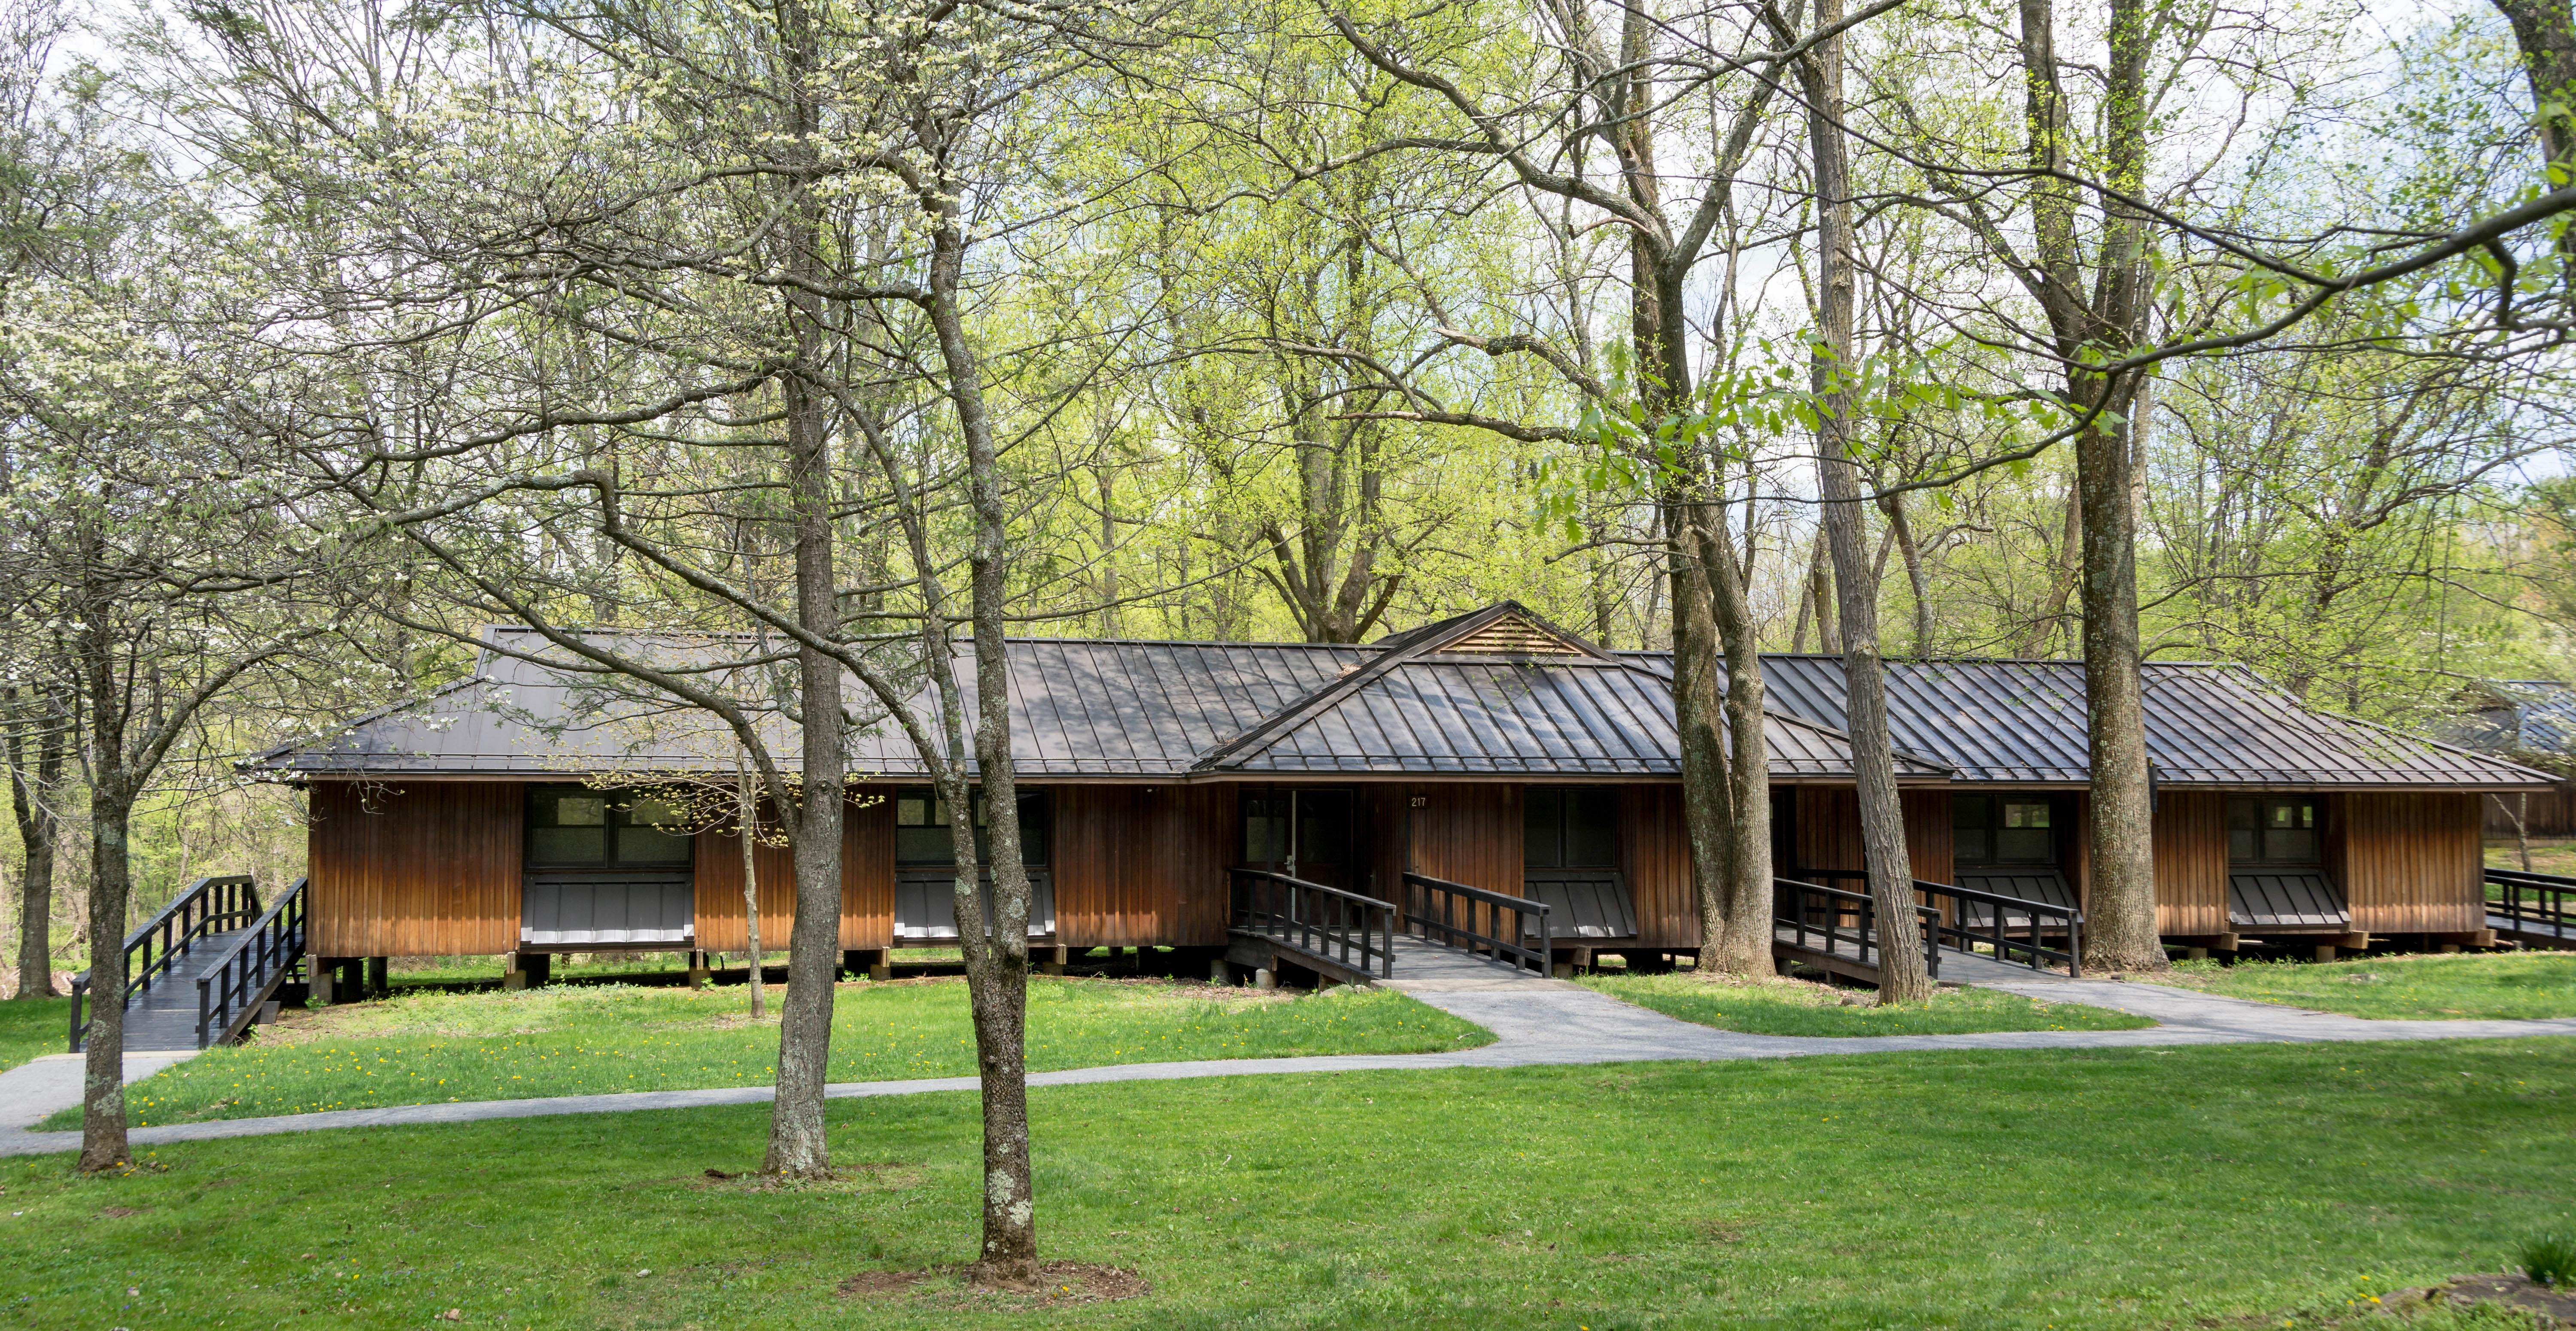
<point>2274,829</point>
<point>1323,833</point>
<point>1570,827</point>
<point>1265,827</point>
<point>579,827</point>
<point>2002,829</point>
<point>925,832</point>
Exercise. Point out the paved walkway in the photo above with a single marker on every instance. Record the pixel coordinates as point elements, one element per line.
<point>32,1091</point>
<point>1536,1022</point>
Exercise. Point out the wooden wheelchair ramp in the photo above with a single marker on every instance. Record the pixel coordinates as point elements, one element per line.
<point>1448,936</point>
<point>200,972</point>
<point>1831,923</point>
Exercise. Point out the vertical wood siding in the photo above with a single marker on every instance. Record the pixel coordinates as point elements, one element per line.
<point>2411,862</point>
<point>719,893</point>
<point>425,868</point>
<point>2077,847</point>
<point>867,871</point>
<point>1829,831</point>
<point>867,884</point>
<point>1928,834</point>
<point>1828,828</point>
<point>1655,854</point>
<point>2191,862</point>
<point>2550,812</point>
<point>1137,865</point>
<point>1466,832</point>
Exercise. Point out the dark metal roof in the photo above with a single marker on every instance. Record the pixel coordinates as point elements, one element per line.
<point>1094,708</point>
<point>1496,692</point>
<point>2532,716</point>
<point>2548,710</point>
<point>1079,708</point>
<point>2207,724</point>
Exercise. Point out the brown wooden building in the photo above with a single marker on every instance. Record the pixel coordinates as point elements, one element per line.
<point>516,811</point>
<point>2532,722</point>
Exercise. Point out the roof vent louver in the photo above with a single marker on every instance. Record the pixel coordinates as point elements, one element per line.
<point>1512,635</point>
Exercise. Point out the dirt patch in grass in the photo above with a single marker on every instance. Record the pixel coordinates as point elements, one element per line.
<point>1060,1284</point>
<point>877,1284</point>
<point>1722,1231</point>
<point>887,1175</point>
<point>2553,1306</point>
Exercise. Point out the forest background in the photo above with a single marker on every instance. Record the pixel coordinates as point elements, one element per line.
<point>1260,375</point>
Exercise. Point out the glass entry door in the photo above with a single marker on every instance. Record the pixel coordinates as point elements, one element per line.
<point>1307,834</point>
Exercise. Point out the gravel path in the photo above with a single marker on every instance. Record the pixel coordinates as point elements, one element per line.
<point>1535,1022</point>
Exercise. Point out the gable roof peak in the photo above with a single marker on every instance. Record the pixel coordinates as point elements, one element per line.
<point>1505,628</point>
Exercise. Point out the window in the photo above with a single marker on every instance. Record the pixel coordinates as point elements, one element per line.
<point>1322,835</point>
<point>576,827</point>
<point>924,834</point>
<point>1570,827</point>
<point>2272,829</point>
<point>1969,819</point>
<point>921,832</point>
<point>2022,834</point>
<point>1994,829</point>
<point>1265,828</point>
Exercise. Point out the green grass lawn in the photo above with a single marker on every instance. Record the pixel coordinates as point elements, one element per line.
<point>448,970</point>
<point>433,1047</point>
<point>1791,1007</point>
<point>2558,857</point>
<point>29,1027</point>
<point>2437,987</point>
<point>2249,1186</point>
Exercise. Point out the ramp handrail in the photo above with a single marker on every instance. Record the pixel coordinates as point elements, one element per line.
<point>210,905</point>
<point>1815,911</point>
<point>2040,919</point>
<point>2548,909</point>
<point>230,991</point>
<point>1531,917</point>
<point>1322,921</point>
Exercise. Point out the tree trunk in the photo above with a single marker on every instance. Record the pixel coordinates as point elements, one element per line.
<point>1902,975</point>
<point>747,813</point>
<point>2120,906</point>
<point>1708,788</point>
<point>796,1141</point>
<point>2120,910</point>
<point>2065,569</point>
<point>103,1143</point>
<point>796,1144</point>
<point>31,796</point>
<point>1746,929</point>
<point>1903,530</point>
<point>2546,35</point>
<point>997,965</point>
<point>1820,594</point>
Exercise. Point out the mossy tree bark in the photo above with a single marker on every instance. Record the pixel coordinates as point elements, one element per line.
<point>1903,977</point>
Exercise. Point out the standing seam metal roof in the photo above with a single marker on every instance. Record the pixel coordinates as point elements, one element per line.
<point>2207,724</point>
<point>1402,706</point>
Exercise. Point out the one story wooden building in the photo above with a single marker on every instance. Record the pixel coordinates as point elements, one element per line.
<point>517,811</point>
<point>2532,722</point>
